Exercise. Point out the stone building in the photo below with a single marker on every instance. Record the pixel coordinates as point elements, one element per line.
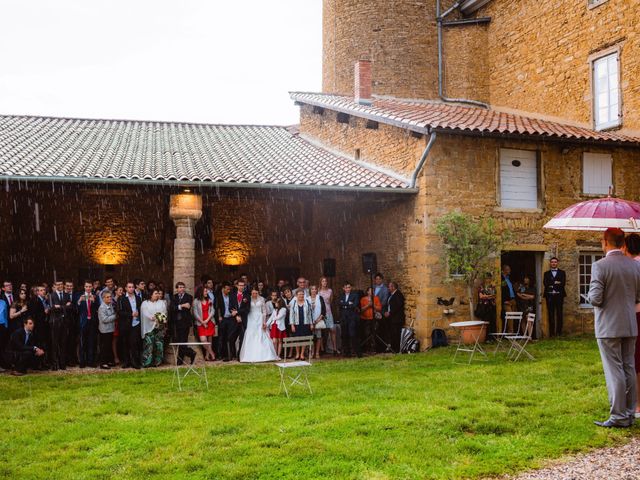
<point>513,110</point>
<point>519,110</point>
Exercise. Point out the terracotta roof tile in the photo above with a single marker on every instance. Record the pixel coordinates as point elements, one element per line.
<point>422,116</point>
<point>64,148</point>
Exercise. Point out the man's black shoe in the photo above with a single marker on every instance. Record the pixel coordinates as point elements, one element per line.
<point>610,424</point>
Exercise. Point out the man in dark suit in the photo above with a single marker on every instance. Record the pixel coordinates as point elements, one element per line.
<point>4,332</point>
<point>129,327</point>
<point>554,282</point>
<point>71,323</point>
<point>57,327</point>
<point>6,296</point>
<point>7,293</point>
<point>88,320</point>
<point>243,296</point>
<point>38,309</point>
<point>140,289</point>
<point>23,351</point>
<point>348,304</point>
<point>183,321</point>
<point>614,292</point>
<point>229,321</point>
<point>395,314</point>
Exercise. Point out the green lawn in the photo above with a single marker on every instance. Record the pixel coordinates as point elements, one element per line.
<point>404,416</point>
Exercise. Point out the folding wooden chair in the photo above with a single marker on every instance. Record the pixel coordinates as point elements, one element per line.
<point>298,367</point>
<point>509,317</point>
<point>519,342</point>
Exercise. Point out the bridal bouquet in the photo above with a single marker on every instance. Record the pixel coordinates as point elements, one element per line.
<point>160,318</point>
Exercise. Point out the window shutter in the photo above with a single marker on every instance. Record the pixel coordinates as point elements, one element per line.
<point>518,179</point>
<point>597,175</point>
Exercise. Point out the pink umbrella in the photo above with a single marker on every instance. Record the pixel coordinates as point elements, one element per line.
<point>598,215</point>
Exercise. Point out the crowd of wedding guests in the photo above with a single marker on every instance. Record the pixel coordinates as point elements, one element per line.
<point>105,324</point>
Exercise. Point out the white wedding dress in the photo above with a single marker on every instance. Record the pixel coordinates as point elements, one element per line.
<point>257,345</point>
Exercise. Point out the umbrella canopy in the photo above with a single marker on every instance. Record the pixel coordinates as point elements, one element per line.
<point>598,215</point>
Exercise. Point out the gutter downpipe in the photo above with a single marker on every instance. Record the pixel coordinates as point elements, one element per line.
<point>423,159</point>
<point>439,19</point>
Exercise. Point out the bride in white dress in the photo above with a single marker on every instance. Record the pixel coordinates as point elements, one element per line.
<point>257,346</point>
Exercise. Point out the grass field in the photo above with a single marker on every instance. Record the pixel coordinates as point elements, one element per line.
<point>374,418</point>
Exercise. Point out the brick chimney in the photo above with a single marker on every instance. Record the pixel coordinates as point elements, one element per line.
<point>363,82</point>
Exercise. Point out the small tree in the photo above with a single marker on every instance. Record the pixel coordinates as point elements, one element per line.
<point>470,246</point>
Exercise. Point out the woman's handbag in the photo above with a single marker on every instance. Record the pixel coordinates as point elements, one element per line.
<point>320,325</point>
<point>377,315</point>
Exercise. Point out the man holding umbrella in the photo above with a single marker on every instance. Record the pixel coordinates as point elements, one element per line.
<point>614,292</point>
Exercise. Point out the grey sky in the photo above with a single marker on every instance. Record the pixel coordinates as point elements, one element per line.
<point>210,61</point>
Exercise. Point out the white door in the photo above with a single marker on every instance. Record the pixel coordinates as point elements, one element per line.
<point>518,179</point>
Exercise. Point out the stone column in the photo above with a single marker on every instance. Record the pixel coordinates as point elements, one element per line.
<point>185,210</point>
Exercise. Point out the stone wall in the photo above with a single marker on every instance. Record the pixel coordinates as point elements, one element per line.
<point>63,231</point>
<point>83,229</point>
<point>386,146</point>
<point>539,55</point>
<point>533,56</point>
<point>461,173</point>
<point>6,228</point>
<point>466,62</point>
<point>399,37</point>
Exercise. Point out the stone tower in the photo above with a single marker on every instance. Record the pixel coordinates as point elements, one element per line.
<point>398,36</point>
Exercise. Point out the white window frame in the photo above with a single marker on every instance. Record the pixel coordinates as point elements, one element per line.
<point>596,59</point>
<point>584,279</point>
<point>589,190</point>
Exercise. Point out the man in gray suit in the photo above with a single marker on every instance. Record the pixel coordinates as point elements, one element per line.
<point>614,292</point>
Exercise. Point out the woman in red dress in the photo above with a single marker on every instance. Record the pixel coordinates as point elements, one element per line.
<point>203,311</point>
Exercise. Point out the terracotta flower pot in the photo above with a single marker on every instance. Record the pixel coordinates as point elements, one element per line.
<point>469,335</point>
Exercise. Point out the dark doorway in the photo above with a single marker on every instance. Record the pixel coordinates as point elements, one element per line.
<point>526,263</point>
<point>521,263</point>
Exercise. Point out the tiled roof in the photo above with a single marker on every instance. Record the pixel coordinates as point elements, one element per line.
<point>425,116</point>
<point>163,152</point>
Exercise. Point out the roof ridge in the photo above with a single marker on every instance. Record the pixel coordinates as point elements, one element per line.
<point>165,122</point>
<point>452,118</point>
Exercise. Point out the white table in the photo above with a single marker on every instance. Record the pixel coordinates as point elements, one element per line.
<point>199,370</point>
<point>460,327</point>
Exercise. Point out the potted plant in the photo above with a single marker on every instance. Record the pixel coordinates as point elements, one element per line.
<point>471,246</point>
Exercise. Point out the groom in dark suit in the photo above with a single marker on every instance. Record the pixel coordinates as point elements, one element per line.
<point>614,291</point>
<point>229,321</point>
<point>554,282</point>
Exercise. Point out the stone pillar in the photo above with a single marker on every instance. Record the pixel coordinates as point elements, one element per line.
<point>185,210</point>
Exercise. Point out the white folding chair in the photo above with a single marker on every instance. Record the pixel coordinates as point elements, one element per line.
<point>298,367</point>
<point>512,318</point>
<point>519,342</point>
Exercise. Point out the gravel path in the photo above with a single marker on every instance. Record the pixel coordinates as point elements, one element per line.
<point>615,463</point>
